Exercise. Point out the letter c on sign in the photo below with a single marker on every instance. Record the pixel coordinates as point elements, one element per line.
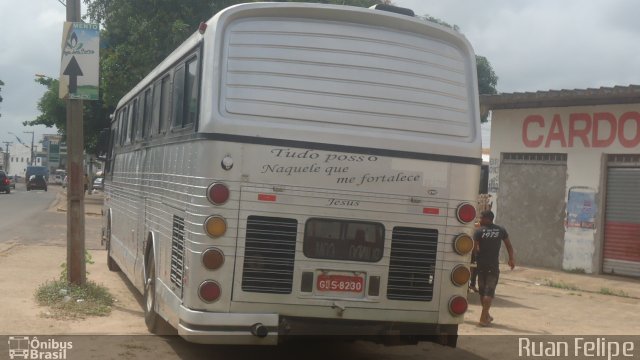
<point>532,143</point>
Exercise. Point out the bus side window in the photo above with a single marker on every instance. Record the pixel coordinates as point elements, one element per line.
<point>124,125</point>
<point>154,126</point>
<point>146,119</point>
<point>133,114</point>
<point>110,151</point>
<point>165,103</point>
<point>191,86</point>
<point>115,136</point>
<point>140,117</point>
<point>178,97</point>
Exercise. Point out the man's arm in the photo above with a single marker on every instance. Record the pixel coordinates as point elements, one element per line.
<point>512,259</point>
<point>476,242</point>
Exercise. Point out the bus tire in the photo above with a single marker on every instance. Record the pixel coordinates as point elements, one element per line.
<point>150,316</point>
<point>111,263</point>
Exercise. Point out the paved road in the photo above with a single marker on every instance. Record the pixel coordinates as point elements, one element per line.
<point>30,218</point>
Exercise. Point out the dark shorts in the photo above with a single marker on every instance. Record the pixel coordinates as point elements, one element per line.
<point>487,282</point>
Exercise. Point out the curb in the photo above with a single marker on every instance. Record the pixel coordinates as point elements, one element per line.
<point>623,288</point>
<point>60,204</point>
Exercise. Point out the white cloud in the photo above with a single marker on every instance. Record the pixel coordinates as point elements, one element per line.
<point>532,45</point>
<point>548,44</point>
<point>30,36</point>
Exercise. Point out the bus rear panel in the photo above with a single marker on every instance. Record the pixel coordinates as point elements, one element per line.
<point>327,187</point>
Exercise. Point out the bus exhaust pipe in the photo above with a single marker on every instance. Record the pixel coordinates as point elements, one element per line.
<point>259,330</point>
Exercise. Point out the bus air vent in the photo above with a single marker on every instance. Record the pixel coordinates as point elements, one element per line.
<point>177,251</point>
<point>269,255</point>
<point>412,264</point>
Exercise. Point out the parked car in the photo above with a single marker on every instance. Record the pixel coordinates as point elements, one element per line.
<point>37,182</point>
<point>13,181</point>
<point>98,184</point>
<point>5,183</point>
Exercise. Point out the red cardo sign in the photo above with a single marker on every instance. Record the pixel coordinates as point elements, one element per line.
<point>597,130</point>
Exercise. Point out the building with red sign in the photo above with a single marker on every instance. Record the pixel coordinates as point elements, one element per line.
<point>565,176</point>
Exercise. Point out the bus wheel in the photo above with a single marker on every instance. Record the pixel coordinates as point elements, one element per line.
<point>150,315</point>
<point>111,264</point>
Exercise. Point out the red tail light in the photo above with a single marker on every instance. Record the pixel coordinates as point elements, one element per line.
<point>458,305</point>
<point>466,213</point>
<point>209,291</point>
<point>6,181</point>
<point>218,193</point>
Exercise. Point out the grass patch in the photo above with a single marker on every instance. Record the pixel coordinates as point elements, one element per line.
<point>614,292</point>
<point>68,301</point>
<point>561,285</point>
<point>576,271</point>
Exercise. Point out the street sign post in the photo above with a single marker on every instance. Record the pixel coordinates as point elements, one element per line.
<point>79,64</point>
<point>80,61</point>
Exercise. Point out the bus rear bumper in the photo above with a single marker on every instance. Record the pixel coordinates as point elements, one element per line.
<point>231,329</point>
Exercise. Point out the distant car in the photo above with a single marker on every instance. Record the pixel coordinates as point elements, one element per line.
<point>37,182</point>
<point>5,183</point>
<point>13,181</point>
<point>98,184</point>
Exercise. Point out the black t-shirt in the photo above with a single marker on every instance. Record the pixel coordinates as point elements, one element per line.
<point>489,239</point>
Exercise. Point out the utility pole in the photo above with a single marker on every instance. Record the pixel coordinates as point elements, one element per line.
<point>6,156</point>
<point>76,267</point>
<point>32,152</point>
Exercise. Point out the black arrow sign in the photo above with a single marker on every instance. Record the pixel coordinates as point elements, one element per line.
<point>73,70</point>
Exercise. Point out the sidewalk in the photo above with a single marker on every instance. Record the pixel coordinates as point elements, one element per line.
<point>601,284</point>
<point>92,202</point>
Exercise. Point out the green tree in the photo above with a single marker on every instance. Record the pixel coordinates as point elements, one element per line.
<point>53,112</point>
<point>487,78</point>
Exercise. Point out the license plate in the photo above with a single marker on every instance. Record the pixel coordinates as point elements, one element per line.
<point>340,283</point>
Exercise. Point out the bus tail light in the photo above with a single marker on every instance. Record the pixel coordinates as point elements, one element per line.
<point>463,244</point>
<point>466,213</point>
<point>458,305</point>
<point>209,291</point>
<point>460,275</point>
<point>215,226</point>
<point>212,259</point>
<point>218,193</point>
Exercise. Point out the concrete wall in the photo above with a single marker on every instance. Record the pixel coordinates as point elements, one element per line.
<point>532,210</point>
<point>585,134</point>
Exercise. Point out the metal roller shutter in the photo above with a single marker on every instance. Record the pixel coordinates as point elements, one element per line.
<point>622,216</point>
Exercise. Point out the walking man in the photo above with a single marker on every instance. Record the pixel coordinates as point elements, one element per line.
<point>488,240</point>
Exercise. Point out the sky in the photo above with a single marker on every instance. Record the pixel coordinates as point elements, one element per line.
<point>531,44</point>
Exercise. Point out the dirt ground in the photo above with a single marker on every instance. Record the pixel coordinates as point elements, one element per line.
<point>24,268</point>
<point>520,307</point>
<point>524,305</point>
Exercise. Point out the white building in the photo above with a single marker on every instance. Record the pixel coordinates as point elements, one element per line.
<point>564,175</point>
<point>19,158</point>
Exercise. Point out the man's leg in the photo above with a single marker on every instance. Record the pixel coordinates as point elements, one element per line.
<point>485,318</point>
<point>474,276</point>
<point>487,280</point>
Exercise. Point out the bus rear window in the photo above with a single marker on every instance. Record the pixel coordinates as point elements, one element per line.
<point>343,240</point>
